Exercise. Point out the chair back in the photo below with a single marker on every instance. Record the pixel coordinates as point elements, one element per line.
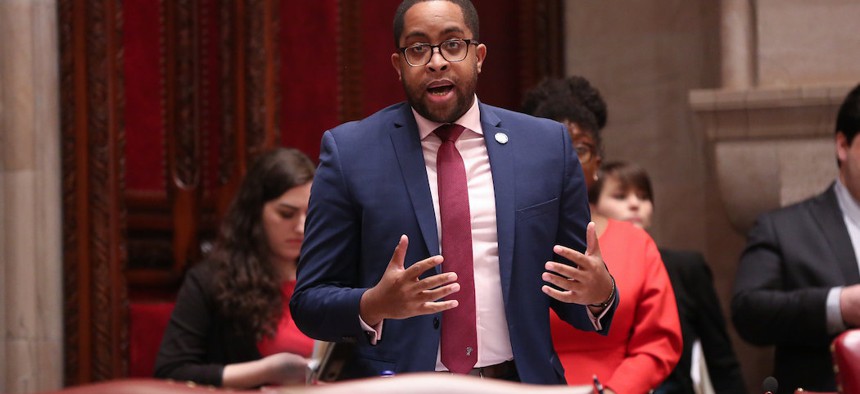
<point>147,322</point>
<point>846,361</point>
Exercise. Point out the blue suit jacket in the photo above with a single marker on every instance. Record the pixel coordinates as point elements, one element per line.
<point>371,187</point>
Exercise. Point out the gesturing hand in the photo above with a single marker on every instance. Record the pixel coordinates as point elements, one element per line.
<point>401,293</point>
<point>586,283</point>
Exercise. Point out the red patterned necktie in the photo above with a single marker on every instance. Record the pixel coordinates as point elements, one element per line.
<point>459,351</point>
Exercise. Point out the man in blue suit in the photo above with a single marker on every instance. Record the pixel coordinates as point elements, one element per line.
<point>378,189</point>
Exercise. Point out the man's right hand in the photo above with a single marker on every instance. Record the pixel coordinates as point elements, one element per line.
<point>401,293</point>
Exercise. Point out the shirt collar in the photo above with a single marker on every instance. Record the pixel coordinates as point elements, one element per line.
<point>847,204</point>
<point>470,120</point>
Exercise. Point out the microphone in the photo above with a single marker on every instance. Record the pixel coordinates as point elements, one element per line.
<point>769,386</point>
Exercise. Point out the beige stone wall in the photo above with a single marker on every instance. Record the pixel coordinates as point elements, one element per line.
<point>803,42</point>
<point>763,78</point>
<point>645,57</point>
<point>30,241</point>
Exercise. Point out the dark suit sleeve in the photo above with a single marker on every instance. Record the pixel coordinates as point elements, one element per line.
<point>325,304</point>
<point>575,216</point>
<point>184,349</point>
<point>710,326</point>
<point>766,310</point>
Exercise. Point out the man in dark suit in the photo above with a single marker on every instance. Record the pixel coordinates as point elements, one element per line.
<point>385,181</point>
<point>798,285</point>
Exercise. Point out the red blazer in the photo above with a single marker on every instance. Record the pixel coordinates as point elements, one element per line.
<point>644,342</point>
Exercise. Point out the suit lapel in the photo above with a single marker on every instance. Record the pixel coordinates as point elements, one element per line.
<point>410,157</point>
<point>829,217</point>
<point>502,167</point>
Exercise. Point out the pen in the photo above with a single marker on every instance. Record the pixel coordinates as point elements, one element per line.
<point>597,386</point>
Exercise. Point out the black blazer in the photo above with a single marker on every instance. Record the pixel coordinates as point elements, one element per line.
<point>793,257</point>
<point>701,318</point>
<point>199,340</point>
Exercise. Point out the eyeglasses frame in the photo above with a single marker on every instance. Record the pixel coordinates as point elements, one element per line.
<point>469,42</point>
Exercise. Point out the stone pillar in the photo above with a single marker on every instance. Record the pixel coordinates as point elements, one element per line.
<point>31,351</point>
<point>737,45</point>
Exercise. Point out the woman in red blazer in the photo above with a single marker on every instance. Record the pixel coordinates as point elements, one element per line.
<point>644,342</point>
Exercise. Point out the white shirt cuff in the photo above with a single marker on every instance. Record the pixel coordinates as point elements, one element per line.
<point>374,334</point>
<point>595,320</point>
<point>835,324</point>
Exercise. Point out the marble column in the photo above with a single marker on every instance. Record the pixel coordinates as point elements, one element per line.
<point>737,44</point>
<point>31,351</point>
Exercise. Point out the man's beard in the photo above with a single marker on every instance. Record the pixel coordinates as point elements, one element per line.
<point>462,102</point>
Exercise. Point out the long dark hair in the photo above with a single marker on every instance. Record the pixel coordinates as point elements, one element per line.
<point>247,284</point>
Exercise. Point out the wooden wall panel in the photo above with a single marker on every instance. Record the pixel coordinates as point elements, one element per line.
<point>309,52</point>
<point>206,86</point>
<point>94,221</point>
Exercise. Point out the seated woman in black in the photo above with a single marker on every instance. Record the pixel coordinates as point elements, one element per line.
<point>232,326</point>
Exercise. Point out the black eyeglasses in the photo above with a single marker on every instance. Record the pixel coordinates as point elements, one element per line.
<point>453,50</point>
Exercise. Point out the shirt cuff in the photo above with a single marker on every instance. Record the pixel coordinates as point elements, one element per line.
<point>835,324</point>
<point>595,320</point>
<point>374,334</point>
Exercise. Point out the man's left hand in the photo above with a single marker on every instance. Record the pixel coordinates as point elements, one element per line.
<point>588,282</point>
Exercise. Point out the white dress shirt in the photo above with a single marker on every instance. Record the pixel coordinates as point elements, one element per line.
<point>851,215</point>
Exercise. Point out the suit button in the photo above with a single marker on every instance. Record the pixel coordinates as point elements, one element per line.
<point>435,323</point>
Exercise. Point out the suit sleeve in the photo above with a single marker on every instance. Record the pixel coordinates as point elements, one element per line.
<point>763,311</point>
<point>575,215</point>
<point>710,326</point>
<point>325,304</point>
<point>655,343</point>
<point>183,352</point>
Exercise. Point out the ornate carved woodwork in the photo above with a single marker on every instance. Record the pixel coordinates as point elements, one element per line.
<point>93,214</point>
<point>349,60</point>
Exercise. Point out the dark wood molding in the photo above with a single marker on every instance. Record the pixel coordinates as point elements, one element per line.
<point>72,62</point>
<point>262,82</point>
<point>94,216</point>
<point>249,89</point>
<point>541,41</point>
<point>349,59</point>
<point>228,163</point>
<point>234,91</point>
<point>183,133</point>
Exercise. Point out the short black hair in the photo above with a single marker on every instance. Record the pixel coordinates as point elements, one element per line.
<point>572,99</point>
<point>848,119</point>
<point>470,15</point>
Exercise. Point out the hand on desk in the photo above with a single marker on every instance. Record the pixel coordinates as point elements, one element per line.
<point>286,369</point>
<point>281,369</point>
<point>401,293</point>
